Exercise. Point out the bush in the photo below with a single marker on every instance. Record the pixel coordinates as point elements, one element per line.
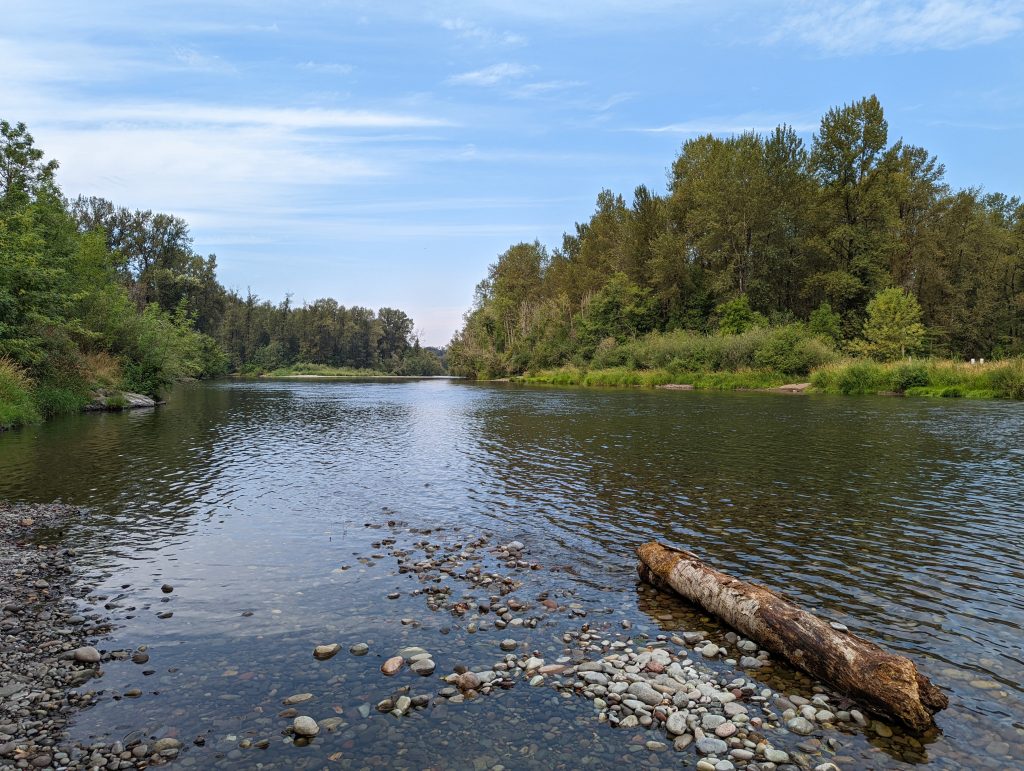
<point>792,351</point>
<point>907,376</point>
<point>789,349</point>
<point>851,377</point>
<point>419,361</point>
<point>736,316</point>
<point>610,354</point>
<point>1007,379</point>
<point>102,370</point>
<point>17,405</point>
<point>54,399</point>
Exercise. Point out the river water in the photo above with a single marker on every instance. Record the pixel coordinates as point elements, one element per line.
<point>265,505</point>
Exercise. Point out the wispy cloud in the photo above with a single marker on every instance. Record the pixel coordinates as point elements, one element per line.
<point>191,114</point>
<point>328,68</point>
<point>67,62</point>
<point>468,30</point>
<point>490,76</point>
<point>544,87</point>
<point>731,125</point>
<point>901,25</point>
<point>196,60</point>
<point>612,101</point>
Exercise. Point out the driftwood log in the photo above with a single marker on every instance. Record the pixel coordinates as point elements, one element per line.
<point>886,683</point>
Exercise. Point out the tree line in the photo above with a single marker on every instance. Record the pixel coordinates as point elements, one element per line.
<point>94,295</point>
<point>764,229</point>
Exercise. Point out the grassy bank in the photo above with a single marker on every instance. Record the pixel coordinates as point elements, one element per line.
<point>17,400</point>
<point>745,379</point>
<point>929,377</point>
<point>318,369</point>
<point>926,377</point>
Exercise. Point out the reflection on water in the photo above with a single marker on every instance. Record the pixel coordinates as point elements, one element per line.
<point>901,517</point>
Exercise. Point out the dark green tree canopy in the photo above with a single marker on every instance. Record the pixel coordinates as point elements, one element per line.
<point>762,224</point>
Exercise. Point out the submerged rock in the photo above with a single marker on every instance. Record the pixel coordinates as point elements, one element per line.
<point>423,667</point>
<point>323,652</point>
<point>801,726</point>
<point>304,725</point>
<point>167,743</point>
<point>711,746</point>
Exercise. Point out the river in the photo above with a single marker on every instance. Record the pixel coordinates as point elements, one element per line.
<point>265,503</point>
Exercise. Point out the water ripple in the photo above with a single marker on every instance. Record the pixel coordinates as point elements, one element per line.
<point>901,518</point>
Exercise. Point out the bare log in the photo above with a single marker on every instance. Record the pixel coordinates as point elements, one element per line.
<point>885,682</point>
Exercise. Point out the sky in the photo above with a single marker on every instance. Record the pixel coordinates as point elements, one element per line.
<point>385,153</point>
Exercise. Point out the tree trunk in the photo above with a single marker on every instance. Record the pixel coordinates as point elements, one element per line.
<point>884,682</point>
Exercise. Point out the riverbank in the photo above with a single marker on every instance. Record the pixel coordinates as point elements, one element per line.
<point>429,368</point>
<point>378,376</point>
<point>24,403</point>
<point>47,653</point>
<point>848,377</point>
<point>702,694</point>
<point>482,619</point>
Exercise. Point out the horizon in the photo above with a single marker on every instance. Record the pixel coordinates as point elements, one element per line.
<point>386,157</point>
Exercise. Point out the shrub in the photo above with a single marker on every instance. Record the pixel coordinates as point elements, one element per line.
<point>17,405</point>
<point>1007,379</point>
<point>736,316</point>
<point>792,351</point>
<point>609,354</point>
<point>851,377</point>
<point>102,369</point>
<point>909,375</point>
<point>116,402</point>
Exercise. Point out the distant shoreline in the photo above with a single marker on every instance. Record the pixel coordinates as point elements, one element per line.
<point>351,377</point>
<point>850,377</point>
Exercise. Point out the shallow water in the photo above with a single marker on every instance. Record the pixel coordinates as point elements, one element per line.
<point>902,518</point>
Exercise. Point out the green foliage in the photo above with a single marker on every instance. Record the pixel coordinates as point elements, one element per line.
<point>755,227</point>
<point>419,361</point>
<point>98,296</point>
<point>788,350</point>
<point>258,336</point>
<point>321,370</point>
<point>736,316</point>
<point>851,378</point>
<point>826,323</point>
<point>621,310</point>
<point>619,377</point>
<point>927,377</point>
<point>792,351</point>
<point>893,328</point>
<point>17,405</point>
<point>116,402</point>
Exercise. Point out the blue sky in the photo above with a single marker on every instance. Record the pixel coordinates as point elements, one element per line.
<point>384,153</point>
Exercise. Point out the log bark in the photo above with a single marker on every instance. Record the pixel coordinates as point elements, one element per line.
<point>886,683</point>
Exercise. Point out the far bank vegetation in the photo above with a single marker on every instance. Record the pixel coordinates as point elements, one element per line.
<point>848,262</point>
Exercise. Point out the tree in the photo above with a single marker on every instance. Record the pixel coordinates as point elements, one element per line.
<point>395,331</point>
<point>893,328</point>
<point>826,323</point>
<point>621,310</point>
<point>756,227</point>
<point>23,173</point>
<point>851,163</point>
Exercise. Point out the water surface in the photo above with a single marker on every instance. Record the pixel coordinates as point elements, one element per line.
<point>900,517</point>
